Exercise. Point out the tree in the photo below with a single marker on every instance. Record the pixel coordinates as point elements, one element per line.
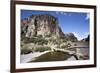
<point>87,39</point>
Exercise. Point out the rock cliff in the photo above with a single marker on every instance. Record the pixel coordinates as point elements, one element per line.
<point>44,25</point>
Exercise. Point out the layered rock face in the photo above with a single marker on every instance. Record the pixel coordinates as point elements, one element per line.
<point>41,25</point>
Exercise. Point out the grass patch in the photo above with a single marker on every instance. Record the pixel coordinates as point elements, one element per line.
<point>39,41</point>
<point>26,51</point>
<point>42,49</point>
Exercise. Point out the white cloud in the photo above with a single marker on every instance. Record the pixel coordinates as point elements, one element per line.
<point>77,35</point>
<point>87,16</point>
<point>80,37</point>
<point>86,34</point>
<point>63,13</point>
<point>57,12</point>
<point>70,14</point>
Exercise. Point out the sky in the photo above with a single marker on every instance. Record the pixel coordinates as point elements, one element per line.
<point>70,22</point>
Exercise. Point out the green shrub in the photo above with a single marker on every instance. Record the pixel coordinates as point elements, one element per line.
<point>40,41</point>
<point>64,46</point>
<point>42,49</point>
<point>26,51</point>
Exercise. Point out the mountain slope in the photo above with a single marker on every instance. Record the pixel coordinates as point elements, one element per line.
<point>43,25</point>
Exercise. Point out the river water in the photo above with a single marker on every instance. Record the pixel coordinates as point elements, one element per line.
<point>58,56</point>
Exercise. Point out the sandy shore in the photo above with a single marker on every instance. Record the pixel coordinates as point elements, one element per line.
<point>27,57</point>
<point>32,56</point>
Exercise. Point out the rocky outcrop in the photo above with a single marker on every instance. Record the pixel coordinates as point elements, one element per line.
<point>71,37</point>
<point>43,25</point>
<point>86,39</point>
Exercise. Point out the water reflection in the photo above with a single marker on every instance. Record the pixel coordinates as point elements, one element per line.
<point>61,56</point>
<point>52,56</point>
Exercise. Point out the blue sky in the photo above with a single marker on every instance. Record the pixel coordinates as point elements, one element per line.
<point>77,23</point>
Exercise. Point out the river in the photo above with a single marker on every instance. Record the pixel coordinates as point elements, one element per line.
<point>58,56</point>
